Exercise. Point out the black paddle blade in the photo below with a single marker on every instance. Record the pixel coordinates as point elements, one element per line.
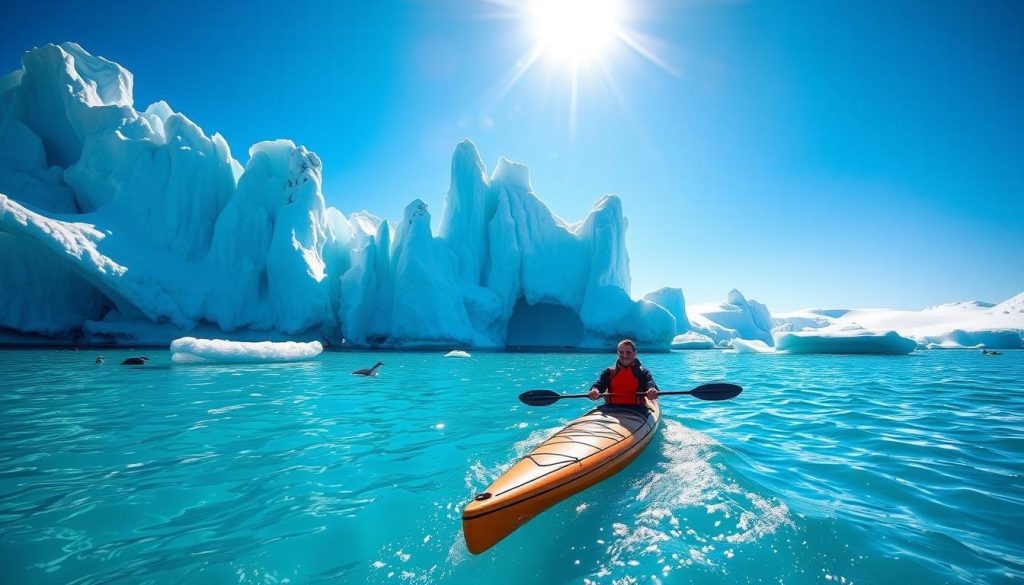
<point>716,391</point>
<point>539,397</point>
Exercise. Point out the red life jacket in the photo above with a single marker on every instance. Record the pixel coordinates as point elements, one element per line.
<point>624,387</point>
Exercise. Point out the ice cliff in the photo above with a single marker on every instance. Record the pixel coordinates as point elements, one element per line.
<point>127,226</point>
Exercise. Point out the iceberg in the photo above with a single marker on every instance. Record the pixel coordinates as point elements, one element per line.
<point>189,350</point>
<point>958,325</point>
<point>692,340</point>
<point>427,309</point>
<point>948,344</point>
<point>751,346</point>
<point>977,339</point>
<point>457,353</point>
<point>836,341</point>
<point>122,226</point>
<point>671,299</point>
<point>737,317</point>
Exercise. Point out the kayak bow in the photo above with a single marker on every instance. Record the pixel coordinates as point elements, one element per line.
<point>589,449</point>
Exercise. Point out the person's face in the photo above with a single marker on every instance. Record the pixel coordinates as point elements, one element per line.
<point>627,355</point>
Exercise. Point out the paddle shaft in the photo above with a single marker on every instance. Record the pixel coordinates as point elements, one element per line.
<point>605,394</point>
<point>713,391</point>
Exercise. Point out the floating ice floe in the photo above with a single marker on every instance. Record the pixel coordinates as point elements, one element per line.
<point>692,340</point>
<point>840,341</point>
<point>949,344</point>
<point>960,325</point>
<point>978,339</point>
<point>457,353</point>
<point>751,346</point>
<point>189,350</point>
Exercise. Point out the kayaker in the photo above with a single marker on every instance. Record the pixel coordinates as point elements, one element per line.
<point>625,379</point>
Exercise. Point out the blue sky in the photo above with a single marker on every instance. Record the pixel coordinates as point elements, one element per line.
<point>826,154</point>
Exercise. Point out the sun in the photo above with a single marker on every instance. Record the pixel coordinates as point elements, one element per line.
<point>574,32</point>
<point>583,44</point>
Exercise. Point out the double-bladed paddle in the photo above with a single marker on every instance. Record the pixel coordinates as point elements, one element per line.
<point>713,391</point>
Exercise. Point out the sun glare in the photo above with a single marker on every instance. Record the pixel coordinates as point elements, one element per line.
<point>574,32</point>
<point>580,41</point>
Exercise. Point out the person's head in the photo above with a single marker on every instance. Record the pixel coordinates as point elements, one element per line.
<point>627,352</point>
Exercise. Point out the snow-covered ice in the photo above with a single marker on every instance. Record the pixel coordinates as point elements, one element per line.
<point>673,301</point>
<point>692,340</point>
<point>889,342</point>
<point>751,346</point>
<point>736,317</point>
<point>958,325</point>
<point>189,350</point>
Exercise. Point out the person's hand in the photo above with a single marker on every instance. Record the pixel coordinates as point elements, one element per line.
<point>594,394</point>
<point>652,393</point>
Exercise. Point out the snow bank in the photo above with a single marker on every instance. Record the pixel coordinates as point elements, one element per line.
<point>189,350</point>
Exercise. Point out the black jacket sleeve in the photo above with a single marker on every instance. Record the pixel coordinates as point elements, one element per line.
<point>646,380</point>
<point>604,381</point>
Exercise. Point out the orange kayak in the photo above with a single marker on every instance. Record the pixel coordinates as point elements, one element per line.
<point>588,450</point>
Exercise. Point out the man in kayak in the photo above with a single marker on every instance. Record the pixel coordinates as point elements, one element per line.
<point>625,380</point>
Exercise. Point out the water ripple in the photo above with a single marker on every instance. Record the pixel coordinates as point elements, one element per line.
<point>826,469</point>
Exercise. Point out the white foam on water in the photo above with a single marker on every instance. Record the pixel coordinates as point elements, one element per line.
<point>670,526</point>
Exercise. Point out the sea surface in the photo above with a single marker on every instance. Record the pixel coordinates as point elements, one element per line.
<point>826,469</point>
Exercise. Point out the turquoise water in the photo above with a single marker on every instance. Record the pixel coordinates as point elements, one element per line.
<point>827,469</point>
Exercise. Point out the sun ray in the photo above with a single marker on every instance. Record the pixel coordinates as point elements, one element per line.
<point>609,78</point>
<point>627,38</point>
<point>574,91</point>
<point>634,123</point>
<point>512,77</point>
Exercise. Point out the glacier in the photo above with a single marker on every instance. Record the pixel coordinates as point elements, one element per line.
<point>959,325</point>
<point>134,227</point>
<point>128,227</point>
<point>748,326</point>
